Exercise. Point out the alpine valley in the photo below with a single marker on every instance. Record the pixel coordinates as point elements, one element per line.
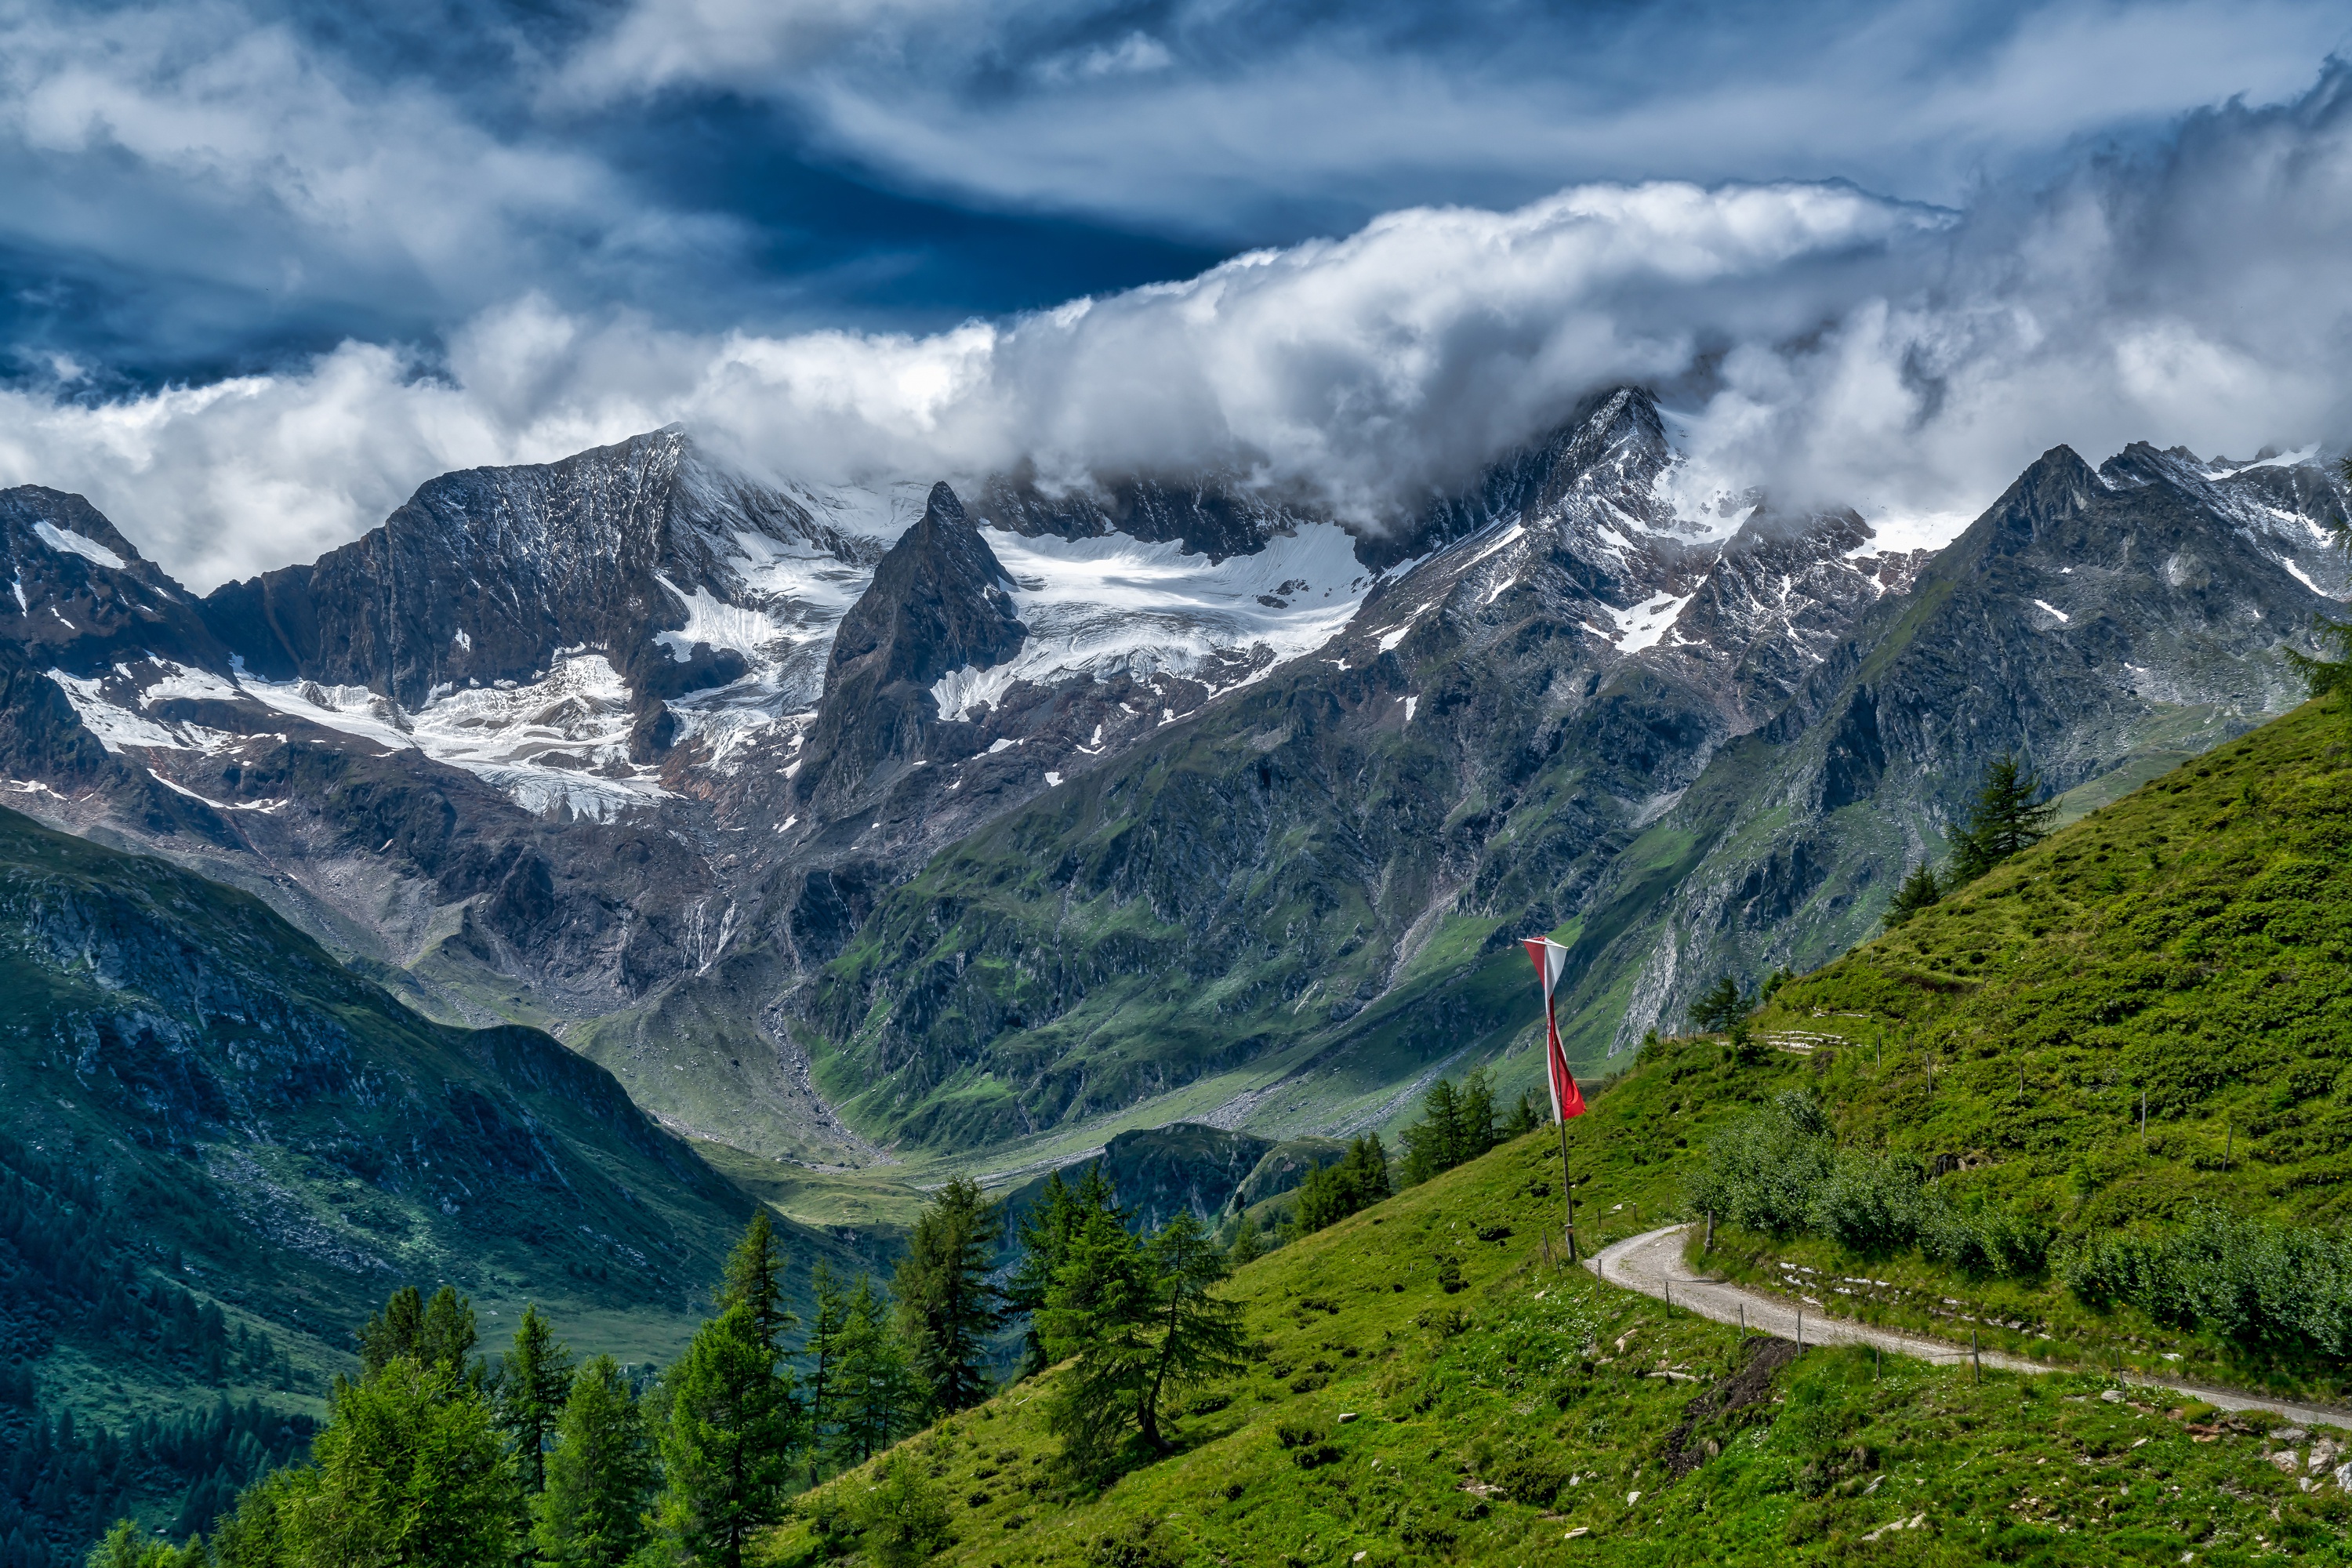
<point>522,894</point>
<point>850,826</point>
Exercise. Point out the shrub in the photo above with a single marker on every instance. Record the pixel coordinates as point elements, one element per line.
<point>1869,1204</point>
<point>902,1516</point>
<point>2280,1286</point>
<point>1763,1171</point>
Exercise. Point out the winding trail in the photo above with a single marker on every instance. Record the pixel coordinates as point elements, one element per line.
<point>1652,1263</point>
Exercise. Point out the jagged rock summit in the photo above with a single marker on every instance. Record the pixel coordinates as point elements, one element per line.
<point>939,602</point>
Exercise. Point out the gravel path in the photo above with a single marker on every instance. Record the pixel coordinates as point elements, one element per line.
<point>1652,1264</point>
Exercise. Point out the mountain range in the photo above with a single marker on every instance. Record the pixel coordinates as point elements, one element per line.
<point>982,822</point>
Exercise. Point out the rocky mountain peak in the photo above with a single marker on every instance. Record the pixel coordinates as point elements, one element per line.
<point>940,601</point>
<point>79,595</point>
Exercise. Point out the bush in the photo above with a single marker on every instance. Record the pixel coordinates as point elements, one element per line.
<point>1763,1171</point>
<point>902,1515</point>
<point>1869,1204</point>
<point>1978,1241</point>
<point>2276,1286</point>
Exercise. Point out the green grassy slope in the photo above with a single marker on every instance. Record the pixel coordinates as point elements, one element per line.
<point>2193,942</point>
<point>2190,943</point>
<point>1528,1418</point>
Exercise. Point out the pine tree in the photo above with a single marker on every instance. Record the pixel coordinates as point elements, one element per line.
<point>946,1308</point>
<point>1246,1247</point>
<point>1136,1319</point>
<point>1719,1008</point>
<point>1430,1142</point>
<point>755,1280</point>
<point>409,1470</point>
<point>1099,1315</point>
<point>438,1333</point>
<point>727,1449</point>
<point>1045,1234</point>
<point>1920,890</point>
<point>600,1476</point>
<point>1357,1181</point>
<point>1200,1334</point>
<point>1524,1116</point>
<point>877,1397</point>
<point>2005,820</point>
<point>534,1380</point>
<point>1475,1119</point>
<point>823,1353</point>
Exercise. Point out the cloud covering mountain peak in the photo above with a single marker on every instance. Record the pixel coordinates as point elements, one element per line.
<point>1822,343</point>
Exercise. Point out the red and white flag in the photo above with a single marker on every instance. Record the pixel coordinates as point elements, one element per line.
<point>1552,962</point>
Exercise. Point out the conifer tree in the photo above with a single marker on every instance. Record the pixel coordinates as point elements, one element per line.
<point>1357,1181</point>
<point>1719,1007</point>
<point>1920,890</point>
<point>1200,1334</point>
<point>1138,1319</point>
<point>947,1309</point>
<point>1246,1247</point>
<point>1475,1119</point>
<point>1046,1233</point>
<point>877,1397</point>
<point>2008,817</point>
<point>408,1470</point>
<point>534,1380</point>
<point>727,1449</point>
<point>1524,1117</point>
<point>600,1476</point>
<point>824,1352</point>
<point>755,1280</point>
<point>436,1334</point>
<point>1430,1142</point>
<point>1099,1315</point>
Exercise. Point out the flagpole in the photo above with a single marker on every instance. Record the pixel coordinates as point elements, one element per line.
<point>1566,1190</point>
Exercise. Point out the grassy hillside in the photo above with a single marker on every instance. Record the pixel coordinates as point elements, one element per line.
<point>2193,942</point>
<point>1536,1415</point>
<point>2188,948</point>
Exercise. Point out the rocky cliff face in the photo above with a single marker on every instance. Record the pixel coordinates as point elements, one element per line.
<point>939,602</point>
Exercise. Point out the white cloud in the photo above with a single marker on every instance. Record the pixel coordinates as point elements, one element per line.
<point>1225,118</point>
<point>1832,345</point>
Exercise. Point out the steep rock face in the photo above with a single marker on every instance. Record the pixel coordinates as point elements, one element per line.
<point>81,599</point>
<point>487,574</point>
<point>2096,622</point>
<point>1201,518</point>
<point>939,602</point>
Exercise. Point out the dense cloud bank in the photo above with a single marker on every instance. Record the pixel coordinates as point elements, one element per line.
<point>1828,344</point>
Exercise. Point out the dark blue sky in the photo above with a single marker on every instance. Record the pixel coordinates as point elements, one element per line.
<point>220,186</point>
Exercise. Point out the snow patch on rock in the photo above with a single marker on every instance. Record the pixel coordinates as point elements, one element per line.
<point>58,539</point>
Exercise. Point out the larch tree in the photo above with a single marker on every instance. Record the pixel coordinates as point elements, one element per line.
<point>600,1477</point>
<point>534,1379</point>
<point>729,1449</point>
<point>877,1399</point>
<point>824,1354</point>
<point>947,1309</point>
<point>2008,817</point>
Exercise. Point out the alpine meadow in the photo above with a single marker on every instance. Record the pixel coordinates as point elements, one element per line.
<point>1092,786</point>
